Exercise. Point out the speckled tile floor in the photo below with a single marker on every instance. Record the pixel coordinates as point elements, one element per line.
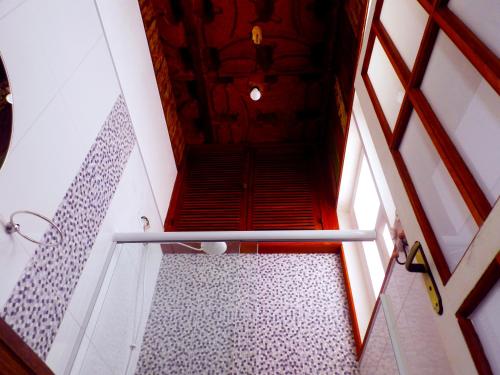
<point>249,314</point>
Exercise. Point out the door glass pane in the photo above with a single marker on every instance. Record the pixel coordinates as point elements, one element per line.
<point>375,266</point>
<point>405,22</point>
<point>389,243</point>
<point>366,202</point>
<point>485,321</point>
<point>386,84</point>
<point>471,116</point>
<point>450,219</point>
<point>482,17</point>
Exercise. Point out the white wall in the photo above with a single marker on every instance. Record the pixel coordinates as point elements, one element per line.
<point>63,86</point>
<point>125,33</point>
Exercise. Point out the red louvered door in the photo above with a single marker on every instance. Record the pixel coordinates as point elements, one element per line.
<point>246,188</point>
<point>283,192</point>
<point>212,192</point>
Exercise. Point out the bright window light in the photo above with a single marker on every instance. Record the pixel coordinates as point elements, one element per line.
<point>366,201</point>
<point>375,267</point>
<point>389,244</point>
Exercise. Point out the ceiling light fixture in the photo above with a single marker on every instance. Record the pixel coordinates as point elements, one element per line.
<point>255,94</point>
<point>210,248</point>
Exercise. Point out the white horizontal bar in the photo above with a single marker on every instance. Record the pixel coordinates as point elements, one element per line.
<point>251,236</point>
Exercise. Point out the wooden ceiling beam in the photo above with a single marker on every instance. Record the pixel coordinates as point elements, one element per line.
<point>193,25</point>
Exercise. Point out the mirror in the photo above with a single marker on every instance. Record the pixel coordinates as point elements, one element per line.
<point>5,113</point>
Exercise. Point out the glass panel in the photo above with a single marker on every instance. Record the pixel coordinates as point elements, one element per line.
<point>452,222</point>
<point>471,116</point>
<point>116,328</point>
<point>389,244</point>
<point>366,201</point>
<point>375,266</point>
<point>485,320</point>
<point>405,22</point>
<point>169,308</point>
<point>389,90</point>
<point>378,356</point>
<point>482,17</point>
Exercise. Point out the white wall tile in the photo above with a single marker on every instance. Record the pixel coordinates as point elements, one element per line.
<point>113,332</point>
<point>132,199</point>
<point>94,363</point>
<point>32,81</point>
<point>13,258</point>
<point>7,6</point>
<point>90,94</point>
<point>73,30</point>
<point>124,29</point>
<point>41,57</point>
<point>39,170</point>
<point>417,330</point>
<point>399,287</point>
<point>63,344</point>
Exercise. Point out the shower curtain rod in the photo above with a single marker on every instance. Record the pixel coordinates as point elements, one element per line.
<point>342,235</point>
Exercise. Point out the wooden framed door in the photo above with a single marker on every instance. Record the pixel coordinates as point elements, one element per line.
<point>429,88</point>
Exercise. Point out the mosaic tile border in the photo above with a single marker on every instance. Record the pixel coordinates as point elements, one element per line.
<point>38,302</point>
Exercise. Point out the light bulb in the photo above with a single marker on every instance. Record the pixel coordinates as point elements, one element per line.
<point>255,94</point>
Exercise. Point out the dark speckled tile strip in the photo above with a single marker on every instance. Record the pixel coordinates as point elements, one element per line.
<point>41,297</point>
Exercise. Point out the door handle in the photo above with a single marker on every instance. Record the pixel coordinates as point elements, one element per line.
<point>417,262</point>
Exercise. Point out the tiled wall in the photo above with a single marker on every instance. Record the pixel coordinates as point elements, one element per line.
<point>132,199</point>
<point>249,314</point>
<point>40,299</point>
<point>124,29</point>
<point>420,341</point>
<point>65,164</point>
<point>63,87</point>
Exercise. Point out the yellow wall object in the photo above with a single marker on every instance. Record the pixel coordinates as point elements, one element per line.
<point>256,34</point>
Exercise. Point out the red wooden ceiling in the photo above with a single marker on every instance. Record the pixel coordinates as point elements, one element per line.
<point>213,64</point>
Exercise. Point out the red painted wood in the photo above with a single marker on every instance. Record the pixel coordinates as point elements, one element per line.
<point>262,187</point>
<point>16,357</point>
<point>473,299</point>
<point>468,187</point>
<point>393,54</point>
<point>483,59</point>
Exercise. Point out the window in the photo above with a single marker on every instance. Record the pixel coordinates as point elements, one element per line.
<point>366,211</point>
<point>365,203</point>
